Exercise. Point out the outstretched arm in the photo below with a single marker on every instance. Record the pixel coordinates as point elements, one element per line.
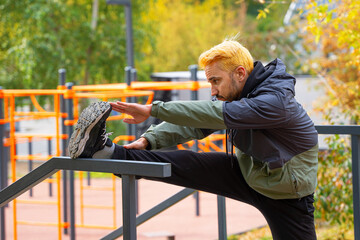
<point>183,121</point>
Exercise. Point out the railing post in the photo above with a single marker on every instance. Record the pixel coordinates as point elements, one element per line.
<point>355,146</point>
<point>221,217</point>
<point>62,79</point>
<point>128,83</point>
<point>129,207</point>
<point>134,131</point>
<point>3,168</point>
<point>193,77</point>
<point>70,106</point>
<point>128,170</point>
<point>49,153</point>
<point>129,33</point>
<point>133,77</point>
<point>194,96</point>
<point>129,28</point>
<point>30,167</point>
<point>130,76</point>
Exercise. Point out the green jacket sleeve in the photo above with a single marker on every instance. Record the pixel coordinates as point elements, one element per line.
<point>183,121</point>
<point>167,135</point>
<point>198,114</point>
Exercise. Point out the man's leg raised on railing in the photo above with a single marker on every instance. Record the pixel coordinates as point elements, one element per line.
<point>213,172</point>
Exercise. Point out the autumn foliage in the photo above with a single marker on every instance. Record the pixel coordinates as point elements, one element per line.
<point>334,40</point>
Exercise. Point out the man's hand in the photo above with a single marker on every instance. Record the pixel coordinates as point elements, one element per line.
<point>139,112</point>
<point>139,144</point>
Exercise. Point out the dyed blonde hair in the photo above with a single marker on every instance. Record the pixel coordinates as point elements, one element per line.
<point>230,54</point>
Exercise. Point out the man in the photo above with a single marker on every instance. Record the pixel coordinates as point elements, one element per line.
<point>274,167</point>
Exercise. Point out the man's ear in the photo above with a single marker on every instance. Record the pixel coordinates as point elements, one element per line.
<point>241,73</point>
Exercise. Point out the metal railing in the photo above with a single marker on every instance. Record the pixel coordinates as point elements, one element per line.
<point>354,132</point>
<point>153,211</point>
<point>128,170</point>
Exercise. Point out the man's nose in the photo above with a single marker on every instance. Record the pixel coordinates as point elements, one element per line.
<point>214,91</point>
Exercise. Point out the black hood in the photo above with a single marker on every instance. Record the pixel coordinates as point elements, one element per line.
<point>274,73</point>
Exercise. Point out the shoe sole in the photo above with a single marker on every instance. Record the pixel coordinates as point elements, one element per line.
<point>89,117</point>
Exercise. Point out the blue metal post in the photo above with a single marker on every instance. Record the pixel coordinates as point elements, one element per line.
<point>130,76</point>
<point>354,131</point>
<point>129,29</point>
<point>221,217</point>
<point>129,208</point>
<point>355,146</point>
<point>88,178</point>
<point>134,131</point>
<point>129,35</point>
<point>133,77</point>
<point>3,169</point>
<point>70,106</point>
<point>194,96</point>
<point>62,78</point>
<point>193,77</point>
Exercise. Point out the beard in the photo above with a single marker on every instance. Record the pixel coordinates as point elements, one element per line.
<point>235,91</point>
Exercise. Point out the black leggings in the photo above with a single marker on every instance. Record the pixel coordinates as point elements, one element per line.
<point>215,173</point>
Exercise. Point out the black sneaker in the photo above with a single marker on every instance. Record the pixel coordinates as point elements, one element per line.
<point>90,134</point>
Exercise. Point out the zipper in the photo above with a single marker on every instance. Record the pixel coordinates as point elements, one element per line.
<point>231,136</point>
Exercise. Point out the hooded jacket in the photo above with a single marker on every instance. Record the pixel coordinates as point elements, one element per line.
<point>275,140</point>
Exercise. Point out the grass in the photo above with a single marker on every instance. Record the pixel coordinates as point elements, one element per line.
<point>262,233</point>
<point>95,174</point>
<point>76,175</point>
<point>323,231</point>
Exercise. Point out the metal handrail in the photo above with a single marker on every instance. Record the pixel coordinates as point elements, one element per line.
<point>153,211</point>
<point>354,132</point>
<point>127,169</point>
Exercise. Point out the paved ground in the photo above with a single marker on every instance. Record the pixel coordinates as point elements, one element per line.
<point>179,219</point>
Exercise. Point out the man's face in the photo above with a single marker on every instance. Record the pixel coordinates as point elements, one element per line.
<point>225,86</point>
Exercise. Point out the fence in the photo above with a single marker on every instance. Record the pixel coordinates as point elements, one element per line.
<point>354,132</point>
<point>128,170</point>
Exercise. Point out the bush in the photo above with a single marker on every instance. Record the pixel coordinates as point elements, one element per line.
<point>334,193</point>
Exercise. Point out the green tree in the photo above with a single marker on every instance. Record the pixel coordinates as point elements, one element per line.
<point>333,30</point>
<point>184,29</point>
<point>87,37</point>
<point>269,38</point>
<point>39,37</point>
<point>331,39</point>
<point>334,195</point>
